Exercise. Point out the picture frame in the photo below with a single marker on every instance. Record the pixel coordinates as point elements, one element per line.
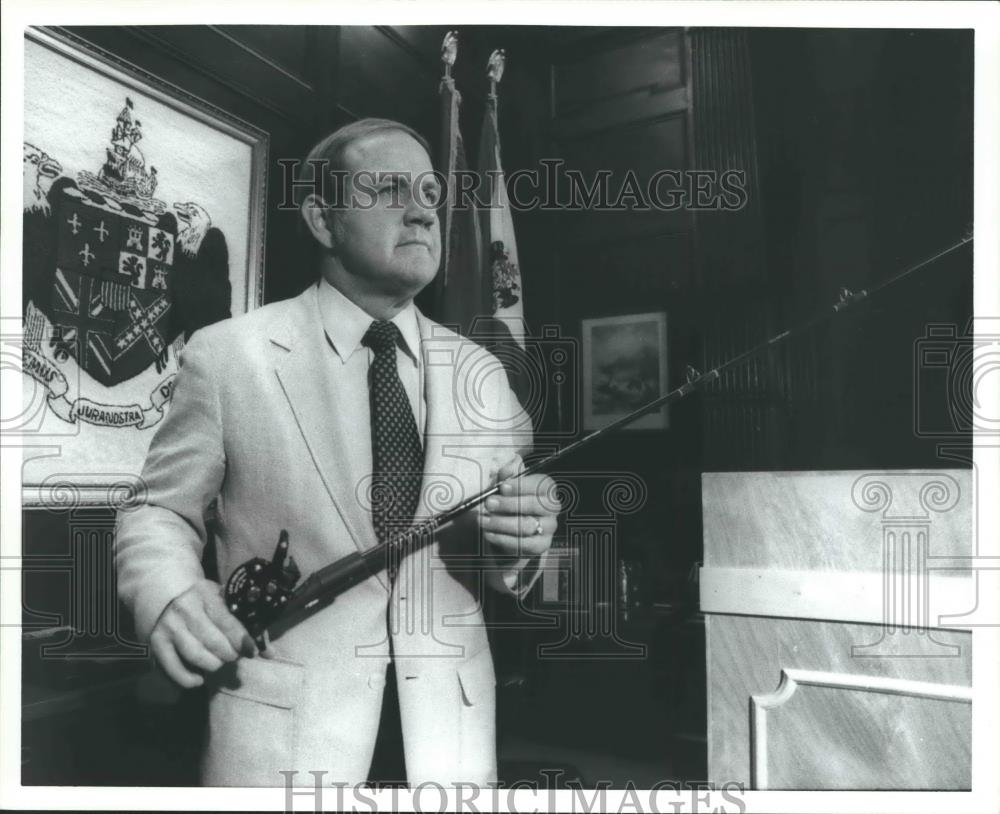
<point>144,221</point>
<point>624,367</point>
<point>558,580</point>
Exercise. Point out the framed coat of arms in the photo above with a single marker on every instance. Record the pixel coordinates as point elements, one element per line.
<point>143,222</point>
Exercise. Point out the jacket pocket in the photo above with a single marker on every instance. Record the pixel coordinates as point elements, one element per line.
<point>477,679</point>
<point>477,720</point>
<point>252,720</point>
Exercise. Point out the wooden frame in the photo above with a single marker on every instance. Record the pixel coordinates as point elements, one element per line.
<point>624,367</point>
<point>172,238</point>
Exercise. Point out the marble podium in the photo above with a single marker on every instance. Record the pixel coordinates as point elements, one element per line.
<point>838,640</point>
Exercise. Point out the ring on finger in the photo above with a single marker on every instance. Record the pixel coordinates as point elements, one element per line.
<point>538,527</point>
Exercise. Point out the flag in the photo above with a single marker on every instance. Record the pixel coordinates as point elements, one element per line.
<point>460,293</point>
<point>503,330</point>
<point>479,291</point>
<point>502,270</point>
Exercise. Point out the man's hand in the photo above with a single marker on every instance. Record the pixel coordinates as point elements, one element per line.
<point>520,521</point>
<point>197,634</point>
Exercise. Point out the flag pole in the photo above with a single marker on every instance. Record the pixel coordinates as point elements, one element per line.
<point>449,52</point>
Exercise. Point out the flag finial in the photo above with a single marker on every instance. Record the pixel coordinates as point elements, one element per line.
<point>495,66</point>
<point>449,50</point>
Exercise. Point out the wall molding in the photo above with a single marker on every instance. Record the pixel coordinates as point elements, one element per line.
<point>792,679</point>
<point>195,63</point>
<point>842,596</point>
<point>282,69</point>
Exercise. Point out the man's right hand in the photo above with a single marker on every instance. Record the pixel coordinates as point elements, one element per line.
<point>196,634</point>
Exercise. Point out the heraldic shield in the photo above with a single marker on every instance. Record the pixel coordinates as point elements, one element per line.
<point>115,282</point>
<point>111,293</point>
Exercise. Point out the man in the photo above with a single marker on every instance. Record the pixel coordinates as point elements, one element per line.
<point>285,417</point>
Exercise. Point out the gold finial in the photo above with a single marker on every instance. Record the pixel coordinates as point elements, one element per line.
<point>495,66</point>
<point>449,48</point>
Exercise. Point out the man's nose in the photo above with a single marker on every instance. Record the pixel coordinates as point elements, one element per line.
<point>419,211</point>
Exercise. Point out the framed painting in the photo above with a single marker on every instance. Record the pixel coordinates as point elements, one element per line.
<point>624,367</point>
<point>143,222</point>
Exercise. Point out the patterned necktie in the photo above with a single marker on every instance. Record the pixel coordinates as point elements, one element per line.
<point>397,455</point>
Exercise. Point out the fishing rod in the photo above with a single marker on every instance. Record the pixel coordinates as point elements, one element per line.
<point>262,593</point>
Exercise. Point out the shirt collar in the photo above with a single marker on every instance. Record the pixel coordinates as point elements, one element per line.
<point>346,323</point>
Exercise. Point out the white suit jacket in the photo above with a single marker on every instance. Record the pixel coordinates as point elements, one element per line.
<point>253,424</point>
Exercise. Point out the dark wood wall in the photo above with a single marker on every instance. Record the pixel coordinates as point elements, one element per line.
<point>865,155</point>
<point>622,101</point>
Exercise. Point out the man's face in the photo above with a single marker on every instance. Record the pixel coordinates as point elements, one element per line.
<point>389,241</point>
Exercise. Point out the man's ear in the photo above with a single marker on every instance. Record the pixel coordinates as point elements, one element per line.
<point>314,212</point>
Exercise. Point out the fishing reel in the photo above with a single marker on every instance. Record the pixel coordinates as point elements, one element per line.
<point>258,591</point>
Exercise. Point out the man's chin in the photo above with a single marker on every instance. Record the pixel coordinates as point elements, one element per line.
<point>406,286</point>
<point>418,275</point>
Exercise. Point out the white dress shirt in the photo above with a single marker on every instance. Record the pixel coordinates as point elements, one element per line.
<point>346,324</point>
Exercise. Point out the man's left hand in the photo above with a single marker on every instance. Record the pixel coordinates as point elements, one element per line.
<point>520,521</point>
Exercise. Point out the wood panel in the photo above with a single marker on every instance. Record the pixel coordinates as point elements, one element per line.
<point>377,77</point>
<point>621,104</point>
<point>753,414</point>
<point>620,108</point>
<point>635,151</point>
<point>635,81</point>
<point>287,47</point>
<point>911,598</point>
<point>650,268</point>
<point>745,419</point>
<point>822,740</point>
<point>830,521</point>
<point>221,56</point>
<point>653,64</point>
<point>730,242</point>
<point>841,731</point>
<point>831,108</point>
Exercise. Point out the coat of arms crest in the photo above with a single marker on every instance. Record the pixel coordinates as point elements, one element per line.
<point>113,279</point>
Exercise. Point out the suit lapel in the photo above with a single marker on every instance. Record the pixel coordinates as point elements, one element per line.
<point>313,400</point>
